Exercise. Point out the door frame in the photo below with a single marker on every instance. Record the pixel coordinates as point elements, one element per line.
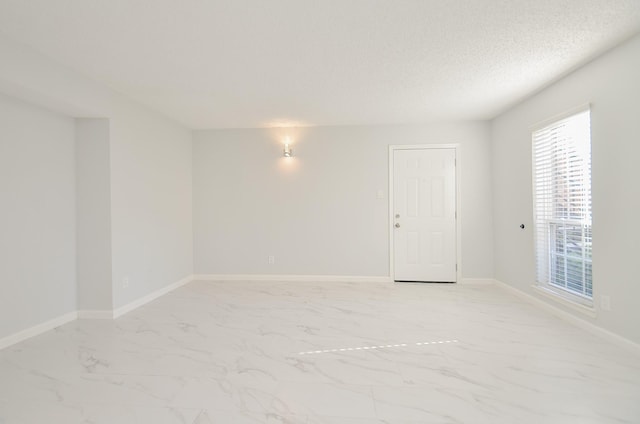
<point>392,149</point>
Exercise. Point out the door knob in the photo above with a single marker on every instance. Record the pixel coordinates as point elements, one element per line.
<point>397,225</point>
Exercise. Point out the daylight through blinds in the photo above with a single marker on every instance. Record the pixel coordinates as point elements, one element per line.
<point>562,190</point>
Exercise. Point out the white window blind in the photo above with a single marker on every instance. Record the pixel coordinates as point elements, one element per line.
<point>562,199</point>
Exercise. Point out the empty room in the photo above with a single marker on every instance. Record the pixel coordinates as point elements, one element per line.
<point>319,212</point>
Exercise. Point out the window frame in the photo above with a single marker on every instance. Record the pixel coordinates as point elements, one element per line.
<point>574,300</point>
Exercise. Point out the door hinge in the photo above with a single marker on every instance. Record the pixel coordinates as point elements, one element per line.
<point>456,267</point>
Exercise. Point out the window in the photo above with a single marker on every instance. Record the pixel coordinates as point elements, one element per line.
<point>562,203</point>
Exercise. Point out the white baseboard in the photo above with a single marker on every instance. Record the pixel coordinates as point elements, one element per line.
<point>88,314</point>
<point>575,320</point>
<point>318,278</point>
<point>292,277</point>
<point>150,297</point>
<point>37,329</point>
<point>95,314</point>
<point>477,281</point>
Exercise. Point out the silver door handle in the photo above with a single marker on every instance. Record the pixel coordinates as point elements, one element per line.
<point>397,225</point>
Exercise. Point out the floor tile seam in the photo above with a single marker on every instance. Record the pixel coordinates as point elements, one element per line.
<point>125,403</point>
<point>197,417</point>
<point>384,417</point>
<point>77,404</point>
<point>373,400</point>
<point>124,374</point>
<point>366,388</point>
<point>328,380</point>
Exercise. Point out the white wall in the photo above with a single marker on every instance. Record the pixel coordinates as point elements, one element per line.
<point>151,202</point>
<point>93,212</point>
<point>318,214</point>
<point>150,172</point>
<point>37,217</point>
<point>29,75</point>
<point>612,86</point>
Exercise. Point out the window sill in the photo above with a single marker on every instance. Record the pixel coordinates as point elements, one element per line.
<point>567,300</point>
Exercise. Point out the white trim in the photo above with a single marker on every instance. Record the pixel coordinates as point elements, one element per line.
<point>477,281</point>
<point>578,303</point>
<point>577,321</point>
<point>292,277</point>
<point>37,329</point>
<point>95,314</point>
<point>89,314</point>
<point>150,297</point>
<point>423,146</point>
<point>565,300</point>
<point>560,116</point>
<point>458,213</point>
<point>456,147</point>
<point>390,214</point>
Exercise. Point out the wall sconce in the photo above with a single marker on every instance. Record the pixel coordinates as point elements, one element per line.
<point>287,152</point>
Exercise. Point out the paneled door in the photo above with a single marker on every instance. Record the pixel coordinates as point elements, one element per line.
<point>424,214</point>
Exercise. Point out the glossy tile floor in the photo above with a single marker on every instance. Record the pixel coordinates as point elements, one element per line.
<point>312,353</point>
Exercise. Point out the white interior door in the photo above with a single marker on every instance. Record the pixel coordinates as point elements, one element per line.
<point>424,214</point>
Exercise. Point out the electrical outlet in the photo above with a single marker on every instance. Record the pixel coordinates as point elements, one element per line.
<point>125,282</point>
<point>605,303</point>
<point>272,260</point>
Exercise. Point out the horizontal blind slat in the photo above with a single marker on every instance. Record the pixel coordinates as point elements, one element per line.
<point>562,203</point>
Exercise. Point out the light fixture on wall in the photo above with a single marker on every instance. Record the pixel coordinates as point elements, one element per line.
<point>287,152</point>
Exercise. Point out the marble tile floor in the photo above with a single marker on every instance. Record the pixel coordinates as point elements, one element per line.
<point>322,353</point>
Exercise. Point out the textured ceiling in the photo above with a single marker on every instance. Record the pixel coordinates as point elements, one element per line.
<point>255,63</point>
